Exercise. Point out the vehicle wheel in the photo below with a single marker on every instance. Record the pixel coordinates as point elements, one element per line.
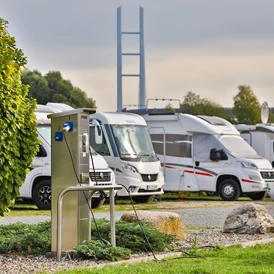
<point>142,199</point>
<point>257,195</point>
<point>42,194</point>
<point>229,190</point>
<point>97,202</point>
<point>211,193</point>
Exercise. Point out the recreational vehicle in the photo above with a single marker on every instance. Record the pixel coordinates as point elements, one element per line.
<point>207,153</point>
<point>37,185</point>
<point>260,137</point>
<point>123,140</point>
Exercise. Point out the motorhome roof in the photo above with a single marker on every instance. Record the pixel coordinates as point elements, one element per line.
<point>196,124</point>
<point>119,118</point>
<point>45,109</point>
<point>41,118</point>
<point>258,127</point>
<point>59,107</point>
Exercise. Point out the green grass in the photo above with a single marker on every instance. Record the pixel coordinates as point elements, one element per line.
<point>233,260</point>
<point>27,208</point>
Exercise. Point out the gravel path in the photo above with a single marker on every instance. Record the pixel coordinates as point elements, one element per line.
<point>206,218</point>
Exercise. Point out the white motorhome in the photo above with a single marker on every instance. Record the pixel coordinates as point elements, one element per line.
<point>127,147</point>
<point>260,137</point>
<point>207,153</point>
<point>37,185</point>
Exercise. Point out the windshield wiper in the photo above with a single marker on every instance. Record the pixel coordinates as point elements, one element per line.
<point>147,155</point>
<point>129,154</point>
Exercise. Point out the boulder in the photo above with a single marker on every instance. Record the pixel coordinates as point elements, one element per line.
<point>249,219</point>
<point>167,222</point>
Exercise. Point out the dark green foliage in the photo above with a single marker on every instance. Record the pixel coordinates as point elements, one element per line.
<point>53,88</point>
<point>130,235</point>
<point>97,250</point>
<point>195,105</point>
<point>26,239</point>
<point>18,139</point>
<point>36,239</point>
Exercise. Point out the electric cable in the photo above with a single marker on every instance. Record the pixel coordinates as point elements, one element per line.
<point>140,223</point>
<point>87,200</point>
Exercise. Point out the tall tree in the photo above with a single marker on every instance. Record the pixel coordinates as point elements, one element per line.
<point>38,85</point>
<point>53,88</point>
<point>196,105</point>
<point>18,139</point>
<point>246,106</point>
<point>191,99</point>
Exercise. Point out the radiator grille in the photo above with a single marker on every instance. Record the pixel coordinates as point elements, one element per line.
<point>100,176</point>
<point>267,174</point>
<point>149,177</point>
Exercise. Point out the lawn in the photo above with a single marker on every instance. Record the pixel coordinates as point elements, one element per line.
<point>233,260</point>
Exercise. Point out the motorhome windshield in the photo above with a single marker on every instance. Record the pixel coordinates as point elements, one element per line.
<point>238,146</point>
<point>134,143</point>
<point>45,132</point>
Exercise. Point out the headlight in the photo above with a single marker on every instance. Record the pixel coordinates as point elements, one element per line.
<point>248,165</point>
<point>128,168</point>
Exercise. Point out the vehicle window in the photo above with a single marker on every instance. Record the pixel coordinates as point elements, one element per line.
<point>45,133</point>
<point>101,149</point>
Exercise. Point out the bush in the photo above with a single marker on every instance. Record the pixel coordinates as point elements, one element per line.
<point>36,239</point>
<point>97,250</point>
<point>26,239</point>
<point>130,235</point>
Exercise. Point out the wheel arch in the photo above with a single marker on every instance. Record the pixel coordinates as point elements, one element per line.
<point>38,180</point>
<point>226,176</point>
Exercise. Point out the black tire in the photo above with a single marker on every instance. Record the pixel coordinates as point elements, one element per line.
<point>257,195</point>
<point>229,190</point>
<point>97,202</point>
<point>211,193</point>
<point>42,195</point>
<point>142,199</point>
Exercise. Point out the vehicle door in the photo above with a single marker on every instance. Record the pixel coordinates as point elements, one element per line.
<point>206,167</point>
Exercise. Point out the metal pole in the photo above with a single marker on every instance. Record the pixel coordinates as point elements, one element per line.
<point>112,221</point>
<point>142,94</point>
<point>93,189</point>
<point>119,61</point>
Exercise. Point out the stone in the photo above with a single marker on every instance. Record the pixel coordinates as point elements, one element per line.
<point>167,222</point>
<point>249,219</point>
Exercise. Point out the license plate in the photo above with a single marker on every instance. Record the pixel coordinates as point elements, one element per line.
<point>269,184</point>
<point>153,187</point>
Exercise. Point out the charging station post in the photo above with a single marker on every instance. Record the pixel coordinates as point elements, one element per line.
<point>70,167</point>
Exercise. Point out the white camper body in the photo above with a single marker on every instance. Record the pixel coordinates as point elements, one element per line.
<point>128,149</point>
<point>205,153</point>
<point>260,137</point>
<point>37,185</point>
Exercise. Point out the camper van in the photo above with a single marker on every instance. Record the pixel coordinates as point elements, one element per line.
<point>207,153</point>
<point>37,185</point>
<point>260,137</point>
<point>123,140</point>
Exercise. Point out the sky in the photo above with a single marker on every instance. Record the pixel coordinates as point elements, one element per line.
<point>209,47</point>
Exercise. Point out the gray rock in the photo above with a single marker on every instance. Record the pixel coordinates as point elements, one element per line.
<point>249,219</point>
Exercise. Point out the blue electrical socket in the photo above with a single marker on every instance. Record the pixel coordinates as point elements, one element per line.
<point>70,125</point>
<point>58,136</point>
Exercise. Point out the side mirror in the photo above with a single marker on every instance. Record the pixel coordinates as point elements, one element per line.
<point>217,155</point>
<point>41,152</point>
<point>97,131</point>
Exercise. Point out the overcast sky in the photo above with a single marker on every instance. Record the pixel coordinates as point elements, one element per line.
<point>209,47</point>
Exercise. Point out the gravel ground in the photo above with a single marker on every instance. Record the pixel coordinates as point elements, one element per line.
<point>207,218</point>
